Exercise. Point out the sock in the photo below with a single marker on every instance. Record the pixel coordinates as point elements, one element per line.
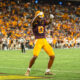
<point>48,70</point>
<point>29,69</point>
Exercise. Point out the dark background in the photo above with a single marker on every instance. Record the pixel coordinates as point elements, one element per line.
<point>73,2</point>
<point>65,2</point>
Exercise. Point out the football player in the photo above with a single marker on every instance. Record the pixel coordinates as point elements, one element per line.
<point>38,27</point>
<point>22,41</point>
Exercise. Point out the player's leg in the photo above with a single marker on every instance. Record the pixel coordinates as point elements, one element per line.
<point>48,49</point>
<point>32,61</point>
<point>23,48</point>
<point>36,52</point>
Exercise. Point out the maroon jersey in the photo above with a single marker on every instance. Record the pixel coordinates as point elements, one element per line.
<point>39,29</point>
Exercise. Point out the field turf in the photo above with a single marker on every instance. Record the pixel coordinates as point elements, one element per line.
<point>66,65</point>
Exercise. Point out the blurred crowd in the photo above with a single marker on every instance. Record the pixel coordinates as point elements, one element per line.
<point>15,24</point>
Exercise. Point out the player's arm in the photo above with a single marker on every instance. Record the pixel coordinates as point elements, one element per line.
<point>50,20</point>
<point>35,18</point>
<point>34,21</point>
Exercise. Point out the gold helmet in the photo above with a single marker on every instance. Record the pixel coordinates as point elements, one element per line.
<point>40,14</point>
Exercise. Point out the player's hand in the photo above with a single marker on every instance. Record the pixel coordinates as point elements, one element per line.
<point>51,16</point>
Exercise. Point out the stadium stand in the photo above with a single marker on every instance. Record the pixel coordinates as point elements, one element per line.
<point>16,17</point>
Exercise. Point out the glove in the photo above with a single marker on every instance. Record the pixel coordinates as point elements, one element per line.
<point>51,16</point>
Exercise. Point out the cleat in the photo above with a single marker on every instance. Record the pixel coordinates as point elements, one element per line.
<point>27,73</point>
<point>49,73</point>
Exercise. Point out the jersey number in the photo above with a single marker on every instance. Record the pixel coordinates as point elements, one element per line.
<point>40,29</point>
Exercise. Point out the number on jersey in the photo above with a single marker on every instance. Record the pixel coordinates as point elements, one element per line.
<point>40,29</point>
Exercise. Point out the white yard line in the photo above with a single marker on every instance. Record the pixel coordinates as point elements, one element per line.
<point>61,71</point>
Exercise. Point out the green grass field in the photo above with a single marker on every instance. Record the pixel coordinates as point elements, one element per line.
<point>66,65</point>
